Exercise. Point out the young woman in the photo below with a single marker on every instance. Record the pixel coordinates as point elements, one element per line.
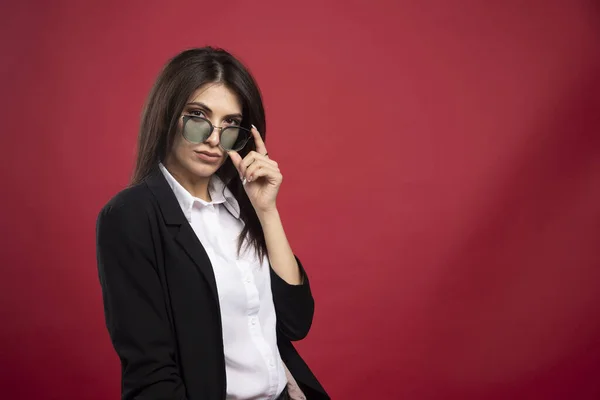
<point>202,293</point>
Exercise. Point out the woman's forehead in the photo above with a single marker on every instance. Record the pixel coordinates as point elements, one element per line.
<point>218,98</point>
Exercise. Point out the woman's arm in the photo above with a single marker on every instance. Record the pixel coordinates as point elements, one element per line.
<point>292,296</point>
<point>280,253</point>
<point>134,305</point>
<point>294,303</point>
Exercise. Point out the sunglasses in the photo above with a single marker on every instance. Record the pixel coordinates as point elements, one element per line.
<point>198,129</point>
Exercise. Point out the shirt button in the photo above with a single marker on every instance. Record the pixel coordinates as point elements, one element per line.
<point>253,321</point>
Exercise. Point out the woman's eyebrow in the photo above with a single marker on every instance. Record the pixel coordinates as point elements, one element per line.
<point>199,104</point>
<point>207,108</point>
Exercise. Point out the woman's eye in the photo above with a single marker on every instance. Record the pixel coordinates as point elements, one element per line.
<point>232,121</point>
<point>197,113</point>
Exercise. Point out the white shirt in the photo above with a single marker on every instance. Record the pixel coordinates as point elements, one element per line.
<point>253,365</point>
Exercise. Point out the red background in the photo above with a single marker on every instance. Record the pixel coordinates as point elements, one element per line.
<point>442,184</point>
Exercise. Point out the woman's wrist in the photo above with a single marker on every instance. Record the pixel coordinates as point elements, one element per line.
<point>268,217</point>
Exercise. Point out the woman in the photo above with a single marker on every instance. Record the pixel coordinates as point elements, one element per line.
<point>202,293</point>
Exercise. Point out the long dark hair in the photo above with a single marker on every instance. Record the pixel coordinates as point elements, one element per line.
<point>178,80</point>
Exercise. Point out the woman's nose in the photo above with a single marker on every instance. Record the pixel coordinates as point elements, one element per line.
<point>213,139</point>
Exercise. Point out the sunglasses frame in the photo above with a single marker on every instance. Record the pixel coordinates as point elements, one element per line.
<point>187,117</point>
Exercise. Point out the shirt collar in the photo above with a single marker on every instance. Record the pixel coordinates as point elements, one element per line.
<point>219,193</point>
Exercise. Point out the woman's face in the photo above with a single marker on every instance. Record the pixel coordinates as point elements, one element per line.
<point>222,108</point>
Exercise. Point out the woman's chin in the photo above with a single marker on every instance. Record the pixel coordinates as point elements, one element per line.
<point>203,170</point>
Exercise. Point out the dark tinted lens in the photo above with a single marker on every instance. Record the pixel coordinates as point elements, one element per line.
<point>196,129</point>
<point>234,138</point>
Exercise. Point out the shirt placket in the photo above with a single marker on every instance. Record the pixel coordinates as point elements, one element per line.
<point>254,325</point>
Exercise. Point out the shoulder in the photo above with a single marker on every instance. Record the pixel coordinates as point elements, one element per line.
<point>128,208</point>
<point>125,229</point>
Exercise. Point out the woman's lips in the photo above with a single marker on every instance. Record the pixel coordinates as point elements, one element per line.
<point>208,156</point>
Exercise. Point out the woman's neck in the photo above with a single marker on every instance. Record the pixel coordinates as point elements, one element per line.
<point>197,186</point>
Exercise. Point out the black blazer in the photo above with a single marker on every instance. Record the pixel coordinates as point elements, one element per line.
<point>161,304</point>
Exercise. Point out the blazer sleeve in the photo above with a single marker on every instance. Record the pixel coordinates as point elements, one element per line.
<point>134,305</point>
<point>294,305</point>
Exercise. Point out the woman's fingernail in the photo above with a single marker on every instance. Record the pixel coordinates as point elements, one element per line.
<point>254,127</point>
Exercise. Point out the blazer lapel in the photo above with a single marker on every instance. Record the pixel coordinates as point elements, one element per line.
<point>180,228</point>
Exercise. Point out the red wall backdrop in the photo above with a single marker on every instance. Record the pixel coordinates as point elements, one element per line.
<point>442,184</point>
